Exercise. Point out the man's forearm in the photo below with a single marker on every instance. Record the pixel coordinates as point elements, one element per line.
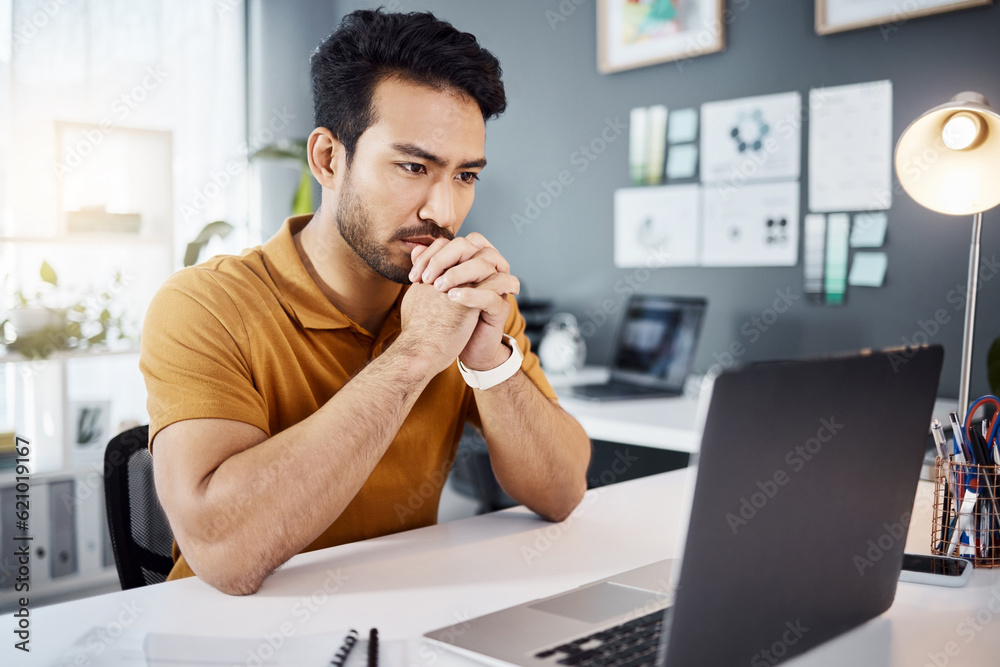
<point>276,497</point>
<point>539,452</point>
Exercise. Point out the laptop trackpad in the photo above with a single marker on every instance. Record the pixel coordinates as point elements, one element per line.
<point>597,603</point>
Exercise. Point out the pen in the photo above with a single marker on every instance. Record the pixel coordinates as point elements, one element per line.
<point>958,432</point>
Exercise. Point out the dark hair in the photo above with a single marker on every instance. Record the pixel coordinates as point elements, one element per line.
<point>370,45</point>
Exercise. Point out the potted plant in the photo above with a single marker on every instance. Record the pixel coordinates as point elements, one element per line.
<point>47,320</point>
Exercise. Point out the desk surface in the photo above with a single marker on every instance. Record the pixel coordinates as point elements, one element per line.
<point>660,423</point>
<point>409,583</point>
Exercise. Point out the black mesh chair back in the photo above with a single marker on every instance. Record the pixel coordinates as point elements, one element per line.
<point>140,534</point>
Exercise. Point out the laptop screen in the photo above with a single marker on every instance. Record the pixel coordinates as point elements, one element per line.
<point>657,340</point>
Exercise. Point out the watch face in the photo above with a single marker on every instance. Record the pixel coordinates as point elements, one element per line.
<point>560,351</point>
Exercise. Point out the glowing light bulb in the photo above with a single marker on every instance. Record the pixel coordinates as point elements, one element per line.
<point>961,131</point>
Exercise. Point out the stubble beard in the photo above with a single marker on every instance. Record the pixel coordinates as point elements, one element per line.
<point>355,226</point>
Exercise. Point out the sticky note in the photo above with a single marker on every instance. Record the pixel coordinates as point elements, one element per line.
<point>868,269</point>
<point>682,160</point>
<point>868,230</point>
<point>683,126</point>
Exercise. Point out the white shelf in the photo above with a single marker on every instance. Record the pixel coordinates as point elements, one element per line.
<point>62,355</point>
<point>90,238</point>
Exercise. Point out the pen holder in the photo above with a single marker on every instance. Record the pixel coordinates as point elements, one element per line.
<point>966,519</point>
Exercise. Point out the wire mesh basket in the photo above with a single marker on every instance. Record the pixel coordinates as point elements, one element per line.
<point>966,519</point>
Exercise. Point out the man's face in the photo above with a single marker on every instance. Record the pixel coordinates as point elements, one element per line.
<point>413,176</point>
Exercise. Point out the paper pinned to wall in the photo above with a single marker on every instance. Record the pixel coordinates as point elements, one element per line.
<point>754,225</point>
<point>751,139</point>
<point>682,161</point>
<point>868,269</point>
<point>869,230</point>
<point>683,126</point>
<point>813,244</point>
<point>850,147</point>
<point>657,226</point>
<point>835,273</point>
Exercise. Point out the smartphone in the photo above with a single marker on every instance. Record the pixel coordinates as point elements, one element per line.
<point>935,570</point>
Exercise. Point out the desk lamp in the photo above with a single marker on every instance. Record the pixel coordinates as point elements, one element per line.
<point>948,160</point>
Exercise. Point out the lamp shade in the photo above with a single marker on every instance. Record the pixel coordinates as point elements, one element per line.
<point>948,159</point>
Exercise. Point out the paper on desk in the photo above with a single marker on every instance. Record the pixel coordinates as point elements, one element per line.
<point>138,649</point>
<point>868,269</point>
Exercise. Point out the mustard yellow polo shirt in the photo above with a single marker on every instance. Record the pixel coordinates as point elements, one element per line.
<point>252,338</point>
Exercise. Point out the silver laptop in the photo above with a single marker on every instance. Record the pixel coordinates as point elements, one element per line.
<point>654,349</point>
<point>802,466</point>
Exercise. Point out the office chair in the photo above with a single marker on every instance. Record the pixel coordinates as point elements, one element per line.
<point>140,534</point>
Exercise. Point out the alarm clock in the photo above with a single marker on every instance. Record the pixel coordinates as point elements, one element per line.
<point>562,349</point>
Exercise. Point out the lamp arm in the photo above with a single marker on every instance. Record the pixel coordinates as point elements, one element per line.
<point>970,316</point>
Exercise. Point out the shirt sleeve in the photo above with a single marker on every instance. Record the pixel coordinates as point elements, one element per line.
<point>195,356</point>
<point>531,365</point>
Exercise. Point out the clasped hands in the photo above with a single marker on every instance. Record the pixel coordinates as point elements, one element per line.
<point>459,293</point>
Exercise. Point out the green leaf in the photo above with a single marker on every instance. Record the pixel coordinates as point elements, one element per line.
<point>48,274</point>
<point>302,203</point>
<point>98,338</point>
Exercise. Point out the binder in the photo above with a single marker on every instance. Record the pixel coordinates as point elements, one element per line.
<point>62,523</point>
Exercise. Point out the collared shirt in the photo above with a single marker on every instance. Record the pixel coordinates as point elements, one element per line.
<point>252,338</point>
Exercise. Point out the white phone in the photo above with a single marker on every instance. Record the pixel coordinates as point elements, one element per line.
<point>935,570</point>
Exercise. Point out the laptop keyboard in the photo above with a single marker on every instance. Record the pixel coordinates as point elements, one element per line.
<point>631,644</point>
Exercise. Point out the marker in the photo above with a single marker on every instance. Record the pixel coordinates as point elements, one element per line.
<point>937,431</point>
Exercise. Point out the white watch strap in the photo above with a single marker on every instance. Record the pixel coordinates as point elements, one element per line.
<point>494,376</point>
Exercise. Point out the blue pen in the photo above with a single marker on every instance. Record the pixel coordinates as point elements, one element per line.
<point>958,431</point>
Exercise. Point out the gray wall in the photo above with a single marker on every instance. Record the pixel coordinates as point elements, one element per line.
<point>559,102</point>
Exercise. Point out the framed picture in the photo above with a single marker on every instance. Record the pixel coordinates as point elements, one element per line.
<point>89,430</point>
<point>840,15</point>
<point>637,33</point>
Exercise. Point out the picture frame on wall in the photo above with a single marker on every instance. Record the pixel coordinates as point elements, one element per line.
<point>89,429</point>
<point>638,33</point>
<point>834,16</point>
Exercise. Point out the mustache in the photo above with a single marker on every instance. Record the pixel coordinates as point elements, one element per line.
<point>432,231</point>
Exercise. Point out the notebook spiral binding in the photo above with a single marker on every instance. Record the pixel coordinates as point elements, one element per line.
<point>373,648</point>
<point>345,649</point>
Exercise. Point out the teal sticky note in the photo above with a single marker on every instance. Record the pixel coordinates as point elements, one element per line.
<point>683,126</point>
<point>868,269</point>
<point>868,230</point>
<point>682,161</point>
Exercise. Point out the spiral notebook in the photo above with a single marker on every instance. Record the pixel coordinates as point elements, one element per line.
<point>154,649</point>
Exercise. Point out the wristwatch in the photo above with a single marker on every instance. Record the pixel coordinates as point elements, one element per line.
<point>494,376</point>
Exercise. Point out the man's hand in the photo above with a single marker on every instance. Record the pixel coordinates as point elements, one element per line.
<point>474,274</point>
<point>436,325</point>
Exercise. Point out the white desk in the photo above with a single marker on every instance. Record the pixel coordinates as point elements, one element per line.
<point>659,423</point>
<point>409,583</point>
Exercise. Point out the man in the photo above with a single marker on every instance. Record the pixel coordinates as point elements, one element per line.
<point>303,394</point>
